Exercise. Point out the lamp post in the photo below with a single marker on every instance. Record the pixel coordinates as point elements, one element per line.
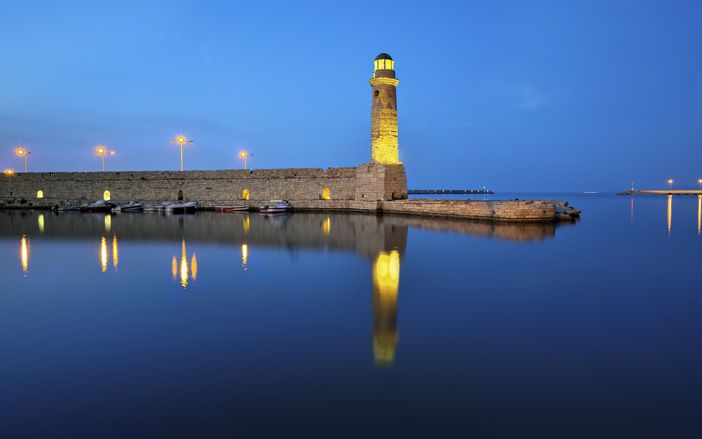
<point>244,155</point>
<point>181,140</point>
<point>22,153</point>
<point>102,151</point>
<point>670,183</point>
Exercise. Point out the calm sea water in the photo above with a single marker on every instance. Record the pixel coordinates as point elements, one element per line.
<point>338,325</point>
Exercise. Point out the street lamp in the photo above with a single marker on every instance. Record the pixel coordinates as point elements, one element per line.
<point>22,152</point>
<point>670,183</point>
<point>181,140</point>
<point>700,183</point>
<point>244,155</point>
<point>9,171</point>
<point>102,151</point>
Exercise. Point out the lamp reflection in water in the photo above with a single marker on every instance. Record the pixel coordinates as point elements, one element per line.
<point>386,282</point>
<point>326,226</point>
<point>24,253</point>
<point>245,256</point>
<point>670,213</point>
<point>108,223</point>
<point>115,252</point>
<point>184,270</point>
<point>246,224</point>
<point>699,214</point>
<point>40,222</point>
<point>631,210</point>
<point>103,254</point>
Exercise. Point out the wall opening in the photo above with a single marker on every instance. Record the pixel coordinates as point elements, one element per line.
<point>245,194</point>
<point>106,196</point>
<point>40,194</point>
<point>180,195</point>
<point>376,93</point>
<point>326,194</point>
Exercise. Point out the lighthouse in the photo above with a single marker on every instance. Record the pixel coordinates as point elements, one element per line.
<point>384,111</point>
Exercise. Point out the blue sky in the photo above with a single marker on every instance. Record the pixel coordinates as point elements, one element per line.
<point>515,95</point>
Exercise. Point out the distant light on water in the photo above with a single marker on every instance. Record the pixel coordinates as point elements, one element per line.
<point>40,222</point>
<point>670,213</point>
<point>699,214</point>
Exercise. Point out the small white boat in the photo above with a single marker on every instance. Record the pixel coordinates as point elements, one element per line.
<point>275,206</point>
<point>181,207</point>
<point>132,206</point>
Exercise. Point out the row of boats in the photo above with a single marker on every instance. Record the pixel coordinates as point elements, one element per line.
<point>273,206</point>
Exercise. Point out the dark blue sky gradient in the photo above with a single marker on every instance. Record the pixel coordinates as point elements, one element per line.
<point>518,96</point>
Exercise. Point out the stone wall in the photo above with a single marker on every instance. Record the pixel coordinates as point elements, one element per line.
<point>303,188</point>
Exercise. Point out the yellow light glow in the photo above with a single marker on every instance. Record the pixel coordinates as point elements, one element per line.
<point>100,150</point>
<point>40,222</point>
<point>115,252</point>
<point>245,194</point>
<point>24,253</point>
<point>106,196</point>
<point>243,154</point>
<point>326,226</point>
<point>386,281</point>
<point>699,214</point>
<point>40,194</point>
<point>20,152</point>
<point>193,267</point>
<point>181,139</point>
<point>326,194</point>
<point>246,224</point>
<point>384,64</point>
<point>184,273</point>
<point>244,256</point>
<point>174,267</point>
<point>670,213</point>
<point>108,223</point>
<point>103,254</point>
<point>9,171</point>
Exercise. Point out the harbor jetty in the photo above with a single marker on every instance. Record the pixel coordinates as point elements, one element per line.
<point>661,192</point>
<point>450,191</point>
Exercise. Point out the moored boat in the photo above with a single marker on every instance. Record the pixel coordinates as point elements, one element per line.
<point>132,206</point>
<point>181,207</point>
<point>275,206</point>
<point>98,206</point>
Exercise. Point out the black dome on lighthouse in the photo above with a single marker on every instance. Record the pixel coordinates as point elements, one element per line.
<point>383,56</point>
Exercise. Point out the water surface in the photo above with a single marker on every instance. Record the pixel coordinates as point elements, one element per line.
<point>340,325</point>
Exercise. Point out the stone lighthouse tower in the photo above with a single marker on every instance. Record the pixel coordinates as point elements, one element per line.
<point>384,111</point>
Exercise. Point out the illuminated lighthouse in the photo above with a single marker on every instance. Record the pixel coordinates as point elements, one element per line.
<point>384,111</point>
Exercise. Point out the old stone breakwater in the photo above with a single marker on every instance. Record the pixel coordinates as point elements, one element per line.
<point>379,186</point>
